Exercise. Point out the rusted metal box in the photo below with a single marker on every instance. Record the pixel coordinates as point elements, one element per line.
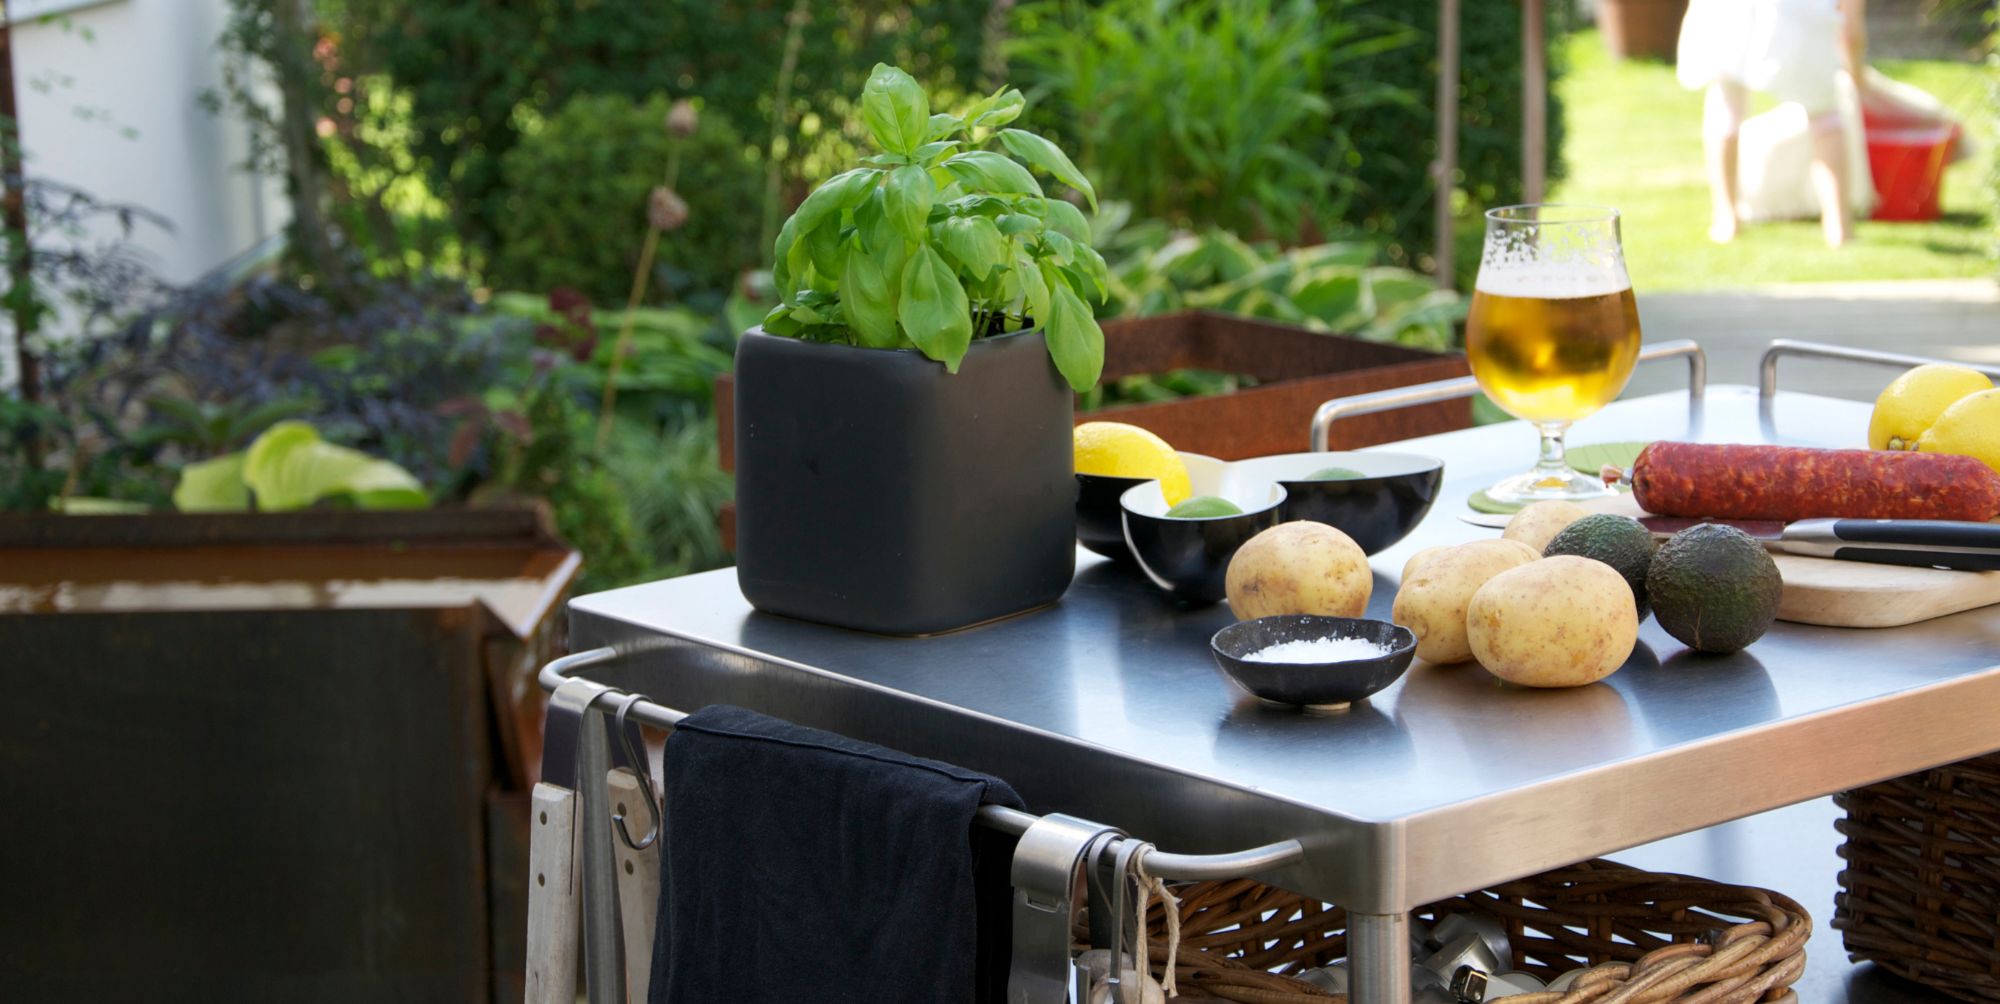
<point>1295,368</point>
<point>270,757</point>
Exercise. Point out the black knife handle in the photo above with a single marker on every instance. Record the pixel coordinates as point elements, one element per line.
<point>1919,532</point>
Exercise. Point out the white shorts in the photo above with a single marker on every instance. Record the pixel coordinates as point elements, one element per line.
<point>1789,49</point>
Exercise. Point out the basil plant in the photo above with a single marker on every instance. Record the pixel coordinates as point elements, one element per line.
<point>938,240</point>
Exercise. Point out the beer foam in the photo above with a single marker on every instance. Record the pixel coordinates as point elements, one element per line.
<point>1546,282</point>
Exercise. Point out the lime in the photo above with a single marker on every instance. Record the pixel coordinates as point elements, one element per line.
<point>1970,427</point>
<point>1335,474</point>
<point>1204,507</point>
<point>1114,449</point>
<point>1916,400</point>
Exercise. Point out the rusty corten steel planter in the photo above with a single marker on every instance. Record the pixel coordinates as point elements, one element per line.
<point>271,757</point>
<point>1296,370</point>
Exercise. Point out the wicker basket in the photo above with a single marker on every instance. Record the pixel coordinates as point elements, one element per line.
<point>1920,895</point>
<point>1651,938</point>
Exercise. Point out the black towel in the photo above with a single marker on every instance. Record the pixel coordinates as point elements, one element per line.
<point>805,866</point>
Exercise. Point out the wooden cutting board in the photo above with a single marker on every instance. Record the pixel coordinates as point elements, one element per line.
<point>1859,594</point>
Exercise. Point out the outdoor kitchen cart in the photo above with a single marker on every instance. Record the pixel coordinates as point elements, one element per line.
<point>1106,706</point>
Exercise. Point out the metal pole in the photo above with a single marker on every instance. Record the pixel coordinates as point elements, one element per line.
<point>1534,102</point>
<point>1378,957</point>
<point>603,944</point>
<point>1444,170</point>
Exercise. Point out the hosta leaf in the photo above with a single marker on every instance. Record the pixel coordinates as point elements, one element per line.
<point>989,172</point>
<point>933,308</point>
<point>213,485</point>
<point>290,467</point>
<point>895,109</point>
<point>973,242</point>
<point>1076,343</point>
<point>907,200</point>
<point>1047,156</point>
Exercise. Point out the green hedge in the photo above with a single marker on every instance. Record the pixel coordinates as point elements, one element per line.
<point>576,195</point>
<point>1393,199</point>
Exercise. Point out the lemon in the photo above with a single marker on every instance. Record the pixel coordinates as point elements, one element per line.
<point>1970,427</point>
<point>1916,399</point>
<point>1118,450</point>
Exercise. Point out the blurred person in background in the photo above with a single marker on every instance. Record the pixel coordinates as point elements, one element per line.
<point>1795,51</point>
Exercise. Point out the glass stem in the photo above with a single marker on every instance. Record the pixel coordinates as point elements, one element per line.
<point>1552,463</point>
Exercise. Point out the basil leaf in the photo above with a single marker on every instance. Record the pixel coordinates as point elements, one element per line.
<point>973,242</point>
<point>1016,224</point>
<point>895,109</point>
<point>1066,219</point>
<point>931,153</point>
<point>868,294</point>
<point>779,322</point>
<point>989,172</point>
<point>942,126</point>
<point>1003,107</point>
<point>1034,289</point>
<point>871,221</point>
<point>933,308</point>
<point>980,205</point>
<point>1091,264</point>
<point>840,193</point>
<point>827,250</point>
<point>1076,343</point>
<point>1045,155</point>
<point>781,260</point>
<point>1061,248</point>
<point>907,199</point>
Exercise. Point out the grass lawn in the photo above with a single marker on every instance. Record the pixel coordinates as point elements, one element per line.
<point>1634,142</point>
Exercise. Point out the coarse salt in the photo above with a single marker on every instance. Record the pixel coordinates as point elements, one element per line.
<point>1319,650</point>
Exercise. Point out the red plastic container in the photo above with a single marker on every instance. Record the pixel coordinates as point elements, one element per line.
<point>1908,160</point>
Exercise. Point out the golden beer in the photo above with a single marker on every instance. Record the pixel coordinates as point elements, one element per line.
<point>1544,353</point>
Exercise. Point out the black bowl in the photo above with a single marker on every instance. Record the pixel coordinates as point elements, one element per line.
<point>1312,683</point>
<point>1099,526</point>
<point>1377,510</point>
<point>1189,558</point>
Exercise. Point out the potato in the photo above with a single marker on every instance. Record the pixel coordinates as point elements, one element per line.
<point>1558,622</point>
<point>1538,523</point>
<point>1299,567</point>
<point>1432,600</point>
<point>1410,566</point>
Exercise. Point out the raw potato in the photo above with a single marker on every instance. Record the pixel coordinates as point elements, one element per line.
<point>1537,524</point>
<point>1564,621</point>
<point>1299,567</point>
<point>1410,566</point>
<point>1432,601</point>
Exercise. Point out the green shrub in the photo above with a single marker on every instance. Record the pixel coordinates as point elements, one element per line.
<point>577,192</point>
<point>1208,113</point>
<point>674,485</point>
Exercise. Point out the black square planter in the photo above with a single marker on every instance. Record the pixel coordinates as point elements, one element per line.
<point>878,492</point>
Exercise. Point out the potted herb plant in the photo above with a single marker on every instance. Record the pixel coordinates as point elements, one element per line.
<point>903,455</point>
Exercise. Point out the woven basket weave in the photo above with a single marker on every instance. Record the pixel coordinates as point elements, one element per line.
<point>1651,938</point>
<point>1920,895</point>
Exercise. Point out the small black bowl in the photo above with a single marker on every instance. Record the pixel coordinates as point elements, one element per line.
<point>1312,684</point>
<point>1189,558</point>
<point>1099,525</point>
<point>1377,510</point>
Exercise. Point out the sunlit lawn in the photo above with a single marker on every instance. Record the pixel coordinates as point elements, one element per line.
<point>1634,142</point>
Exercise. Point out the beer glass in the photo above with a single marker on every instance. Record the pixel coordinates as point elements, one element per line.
<point>1553,333</point>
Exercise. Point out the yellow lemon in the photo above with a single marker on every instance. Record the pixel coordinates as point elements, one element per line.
<point>1127,451</point>
<point>1970,427</point>
<point>1916,399</point>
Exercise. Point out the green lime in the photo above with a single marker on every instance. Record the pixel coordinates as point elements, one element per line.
<point>1204,507</point>
<point>1335,474</point>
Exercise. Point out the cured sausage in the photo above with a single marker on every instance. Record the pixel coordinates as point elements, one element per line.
<point>1791,483</point>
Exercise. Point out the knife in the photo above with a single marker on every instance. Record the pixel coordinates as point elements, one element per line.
<point>1924,543</point>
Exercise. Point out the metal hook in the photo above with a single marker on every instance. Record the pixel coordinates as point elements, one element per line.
<point>635,758</point>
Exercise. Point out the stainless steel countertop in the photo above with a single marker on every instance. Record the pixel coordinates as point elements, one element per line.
<point>1107,705</point>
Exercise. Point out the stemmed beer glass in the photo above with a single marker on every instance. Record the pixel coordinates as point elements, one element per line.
<point>1553,333</point>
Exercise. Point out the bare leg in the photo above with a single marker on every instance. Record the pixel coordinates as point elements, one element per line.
<point>1829,176</point>
<point>1722,116</point>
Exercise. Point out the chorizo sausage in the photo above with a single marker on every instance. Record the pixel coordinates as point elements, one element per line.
<point>1791,483</point>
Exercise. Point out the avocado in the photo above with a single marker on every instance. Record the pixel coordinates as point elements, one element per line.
<point>1204,507</point>
<point>1714,588</point>
<point>1618,541</point>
